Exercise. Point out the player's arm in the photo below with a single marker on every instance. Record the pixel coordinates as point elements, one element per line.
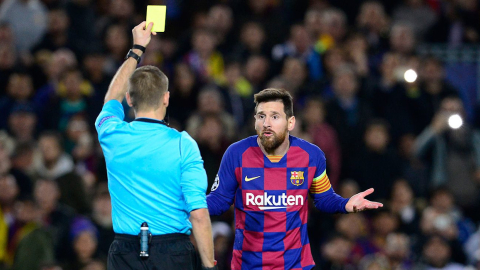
<point>326,200</point>
<point>193,182</point>
<point>118,86</point>
<point>223,189</point>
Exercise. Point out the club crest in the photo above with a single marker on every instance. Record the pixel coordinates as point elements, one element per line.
<point>297,178</point>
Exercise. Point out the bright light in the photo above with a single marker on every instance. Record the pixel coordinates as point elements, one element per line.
<point>410,76</point>
<point>455,121</point>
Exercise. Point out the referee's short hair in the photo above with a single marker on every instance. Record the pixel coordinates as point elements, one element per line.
<point>147,85</point>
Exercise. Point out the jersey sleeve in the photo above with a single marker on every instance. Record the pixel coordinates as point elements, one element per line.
<point>223,189</point>
<point>193,179</point>
<point>111,115</point>
<point>324,197</point>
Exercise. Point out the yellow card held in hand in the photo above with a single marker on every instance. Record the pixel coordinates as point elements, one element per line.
<point>157,15</point>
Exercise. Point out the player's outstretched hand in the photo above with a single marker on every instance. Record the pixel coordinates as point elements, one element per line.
<point>358,202</point>
<point>142,35</point>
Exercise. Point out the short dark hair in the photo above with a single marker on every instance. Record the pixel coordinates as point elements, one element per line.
<point>275,94</point>
<point>148,84</point>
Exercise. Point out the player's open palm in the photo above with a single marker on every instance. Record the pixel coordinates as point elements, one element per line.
<point>142,35</point>
<point>358,202</point>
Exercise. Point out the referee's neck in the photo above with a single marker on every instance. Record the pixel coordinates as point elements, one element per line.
<point>153,114</point>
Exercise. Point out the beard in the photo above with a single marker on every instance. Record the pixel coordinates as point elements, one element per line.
<point>272,142</point>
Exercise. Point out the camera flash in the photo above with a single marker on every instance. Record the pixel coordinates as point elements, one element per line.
<point>410,76</point>
<point>455,121</point>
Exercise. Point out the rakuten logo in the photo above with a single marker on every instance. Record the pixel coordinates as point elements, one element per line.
<point>266,202</point>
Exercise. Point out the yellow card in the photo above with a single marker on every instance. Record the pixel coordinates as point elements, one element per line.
<point>157,15</point>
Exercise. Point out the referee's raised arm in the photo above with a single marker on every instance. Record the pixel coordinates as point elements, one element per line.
<point>156,178</point>
<point>118,86</point>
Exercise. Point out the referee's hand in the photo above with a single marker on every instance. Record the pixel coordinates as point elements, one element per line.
<point>142,35</point>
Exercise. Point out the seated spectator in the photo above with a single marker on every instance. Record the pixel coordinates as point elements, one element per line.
<point>403,204</point>
<point>397,251</point>
<point>336,253</point>
<point>84,237</point>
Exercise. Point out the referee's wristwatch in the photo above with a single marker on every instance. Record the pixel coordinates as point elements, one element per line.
<point>133,54</point>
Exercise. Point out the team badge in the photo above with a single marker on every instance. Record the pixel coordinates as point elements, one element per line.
<point>297,178</point>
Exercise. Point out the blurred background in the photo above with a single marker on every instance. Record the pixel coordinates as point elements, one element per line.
<point>387,89</point>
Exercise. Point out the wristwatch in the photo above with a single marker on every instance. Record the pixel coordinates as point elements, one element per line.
<point>133,55</point>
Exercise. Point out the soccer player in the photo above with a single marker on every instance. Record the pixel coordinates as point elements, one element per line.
<point>269,177</point>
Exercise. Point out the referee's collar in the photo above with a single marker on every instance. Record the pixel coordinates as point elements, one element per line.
<point>150,120</point>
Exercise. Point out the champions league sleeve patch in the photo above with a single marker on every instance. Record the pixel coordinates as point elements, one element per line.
<point>216,183</point>
<point>105,119</point>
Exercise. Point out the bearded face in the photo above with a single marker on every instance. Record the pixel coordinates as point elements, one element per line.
<point>271,125</point>
<point>271,140</point>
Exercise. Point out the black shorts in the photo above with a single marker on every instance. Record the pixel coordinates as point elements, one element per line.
<point>169,251</point>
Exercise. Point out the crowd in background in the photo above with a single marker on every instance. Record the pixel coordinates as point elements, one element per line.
<point>343,61</point>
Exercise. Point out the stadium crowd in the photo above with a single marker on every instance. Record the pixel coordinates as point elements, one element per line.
<point>343,61</point>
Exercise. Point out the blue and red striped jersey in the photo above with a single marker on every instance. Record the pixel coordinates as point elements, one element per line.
<point>271,207</point>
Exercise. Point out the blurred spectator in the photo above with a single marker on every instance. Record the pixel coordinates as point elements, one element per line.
<point>348,114</point>
<point>384,223</point>
<point>84,237</point>
<point>355,228</point>
<point>212,143</point>
<point>28,20</point>
<point>22,123</point>
<point>204,59</point>
<point>53,67</point>
<point>29,244</point>
<point>300,46</point>
<point>374,262</point>
<point>436,254</point>
<point>413,170</point>
<point>57,35</point>
<point>377,165</point>
<point>333,27</point>
<point>398,251</point>
<point>373,22</point>
<point>454,159</point>
<point>102,219</point>
<point>444,218</point>
<point>238,92</point>
<point>19,92</point>
<point>257,71</point>
<point>402,39</point>
<point>324,136</point>
<point>252,41</point>
<point>403,205</point>
<point>184,93</point>
<point>59,166</point>
<point>418,13</point>
<point>210,102</point>
<point>220,20</point>
<point>117,44</point>
<point>72,98</point>
<point>55,217</point>
<point>336,252</point>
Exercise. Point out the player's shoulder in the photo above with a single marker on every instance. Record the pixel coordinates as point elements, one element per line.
<point>242,145</point>
<point>309,147</point>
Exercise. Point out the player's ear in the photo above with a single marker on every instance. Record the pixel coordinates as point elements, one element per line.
<point>166,98</point>
<point>129,99</point>
<point>291,123</point>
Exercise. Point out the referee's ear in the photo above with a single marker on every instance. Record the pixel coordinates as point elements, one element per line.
<point>129,99</point>
<point>166,98</point>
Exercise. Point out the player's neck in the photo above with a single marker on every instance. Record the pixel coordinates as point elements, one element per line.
<point>153,114</point>
<point>281,150</point>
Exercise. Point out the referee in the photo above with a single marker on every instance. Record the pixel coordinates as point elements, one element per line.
<point>155,173</point>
